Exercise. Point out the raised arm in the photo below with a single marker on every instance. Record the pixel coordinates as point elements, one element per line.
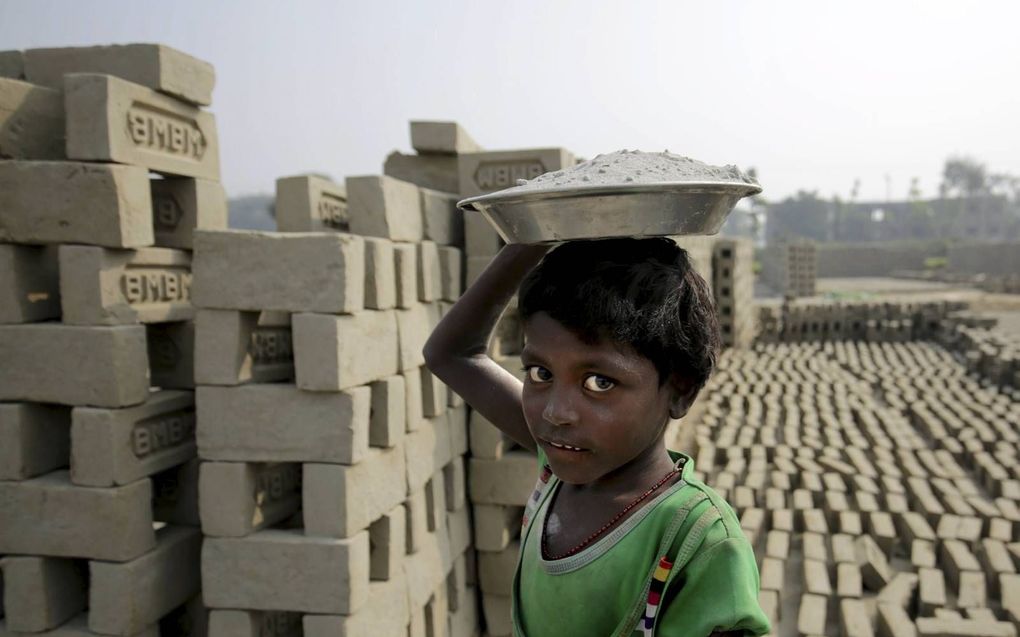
<point>456,351</point>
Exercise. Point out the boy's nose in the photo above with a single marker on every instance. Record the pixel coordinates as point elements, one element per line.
<point>560,409</point>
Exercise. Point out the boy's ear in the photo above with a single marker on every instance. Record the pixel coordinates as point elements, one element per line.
<point>684,393</point>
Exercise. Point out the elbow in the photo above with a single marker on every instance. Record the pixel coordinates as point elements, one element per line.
<point>434,355</point>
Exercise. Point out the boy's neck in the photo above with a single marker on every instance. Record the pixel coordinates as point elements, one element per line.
<point>638,475</point>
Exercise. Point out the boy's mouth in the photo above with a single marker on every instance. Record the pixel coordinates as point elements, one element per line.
<point>565,447</point>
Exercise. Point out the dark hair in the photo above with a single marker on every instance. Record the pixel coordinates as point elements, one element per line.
<point>642,292</point>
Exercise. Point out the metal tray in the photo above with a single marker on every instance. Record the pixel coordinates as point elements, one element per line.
<point>595,212</point>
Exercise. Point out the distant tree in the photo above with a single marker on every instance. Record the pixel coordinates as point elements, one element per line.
<point>963,177</point>
<point>805,215</point>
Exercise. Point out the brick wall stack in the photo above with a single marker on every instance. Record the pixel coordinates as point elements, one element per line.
<point>333,482</point>
<point>877,483</point>
<point>790,268</point>
<point>888,321</point>
<point>733,286</point>
<point>98,486</point>
<point>991,353</point>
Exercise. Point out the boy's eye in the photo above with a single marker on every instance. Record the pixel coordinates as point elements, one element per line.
<point>598,383</point>
<point>538,374</point>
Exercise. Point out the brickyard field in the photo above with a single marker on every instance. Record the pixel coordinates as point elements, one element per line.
<point>227,432</point>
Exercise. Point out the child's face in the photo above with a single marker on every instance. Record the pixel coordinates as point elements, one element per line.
<point>604,399</point>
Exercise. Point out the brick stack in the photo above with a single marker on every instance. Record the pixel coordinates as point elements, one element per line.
<point>332,479</point>
<point>733,286</point>
<point>877,483</point>
<point>790,268</point>
<point>97,432</point>
<point>889,321</point>
<point>992,353</point>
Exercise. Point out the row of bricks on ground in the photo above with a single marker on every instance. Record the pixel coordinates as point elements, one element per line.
<point>852,617</point>
<point>861,566</point>
<point>842,557</point>
<point>815,472</point>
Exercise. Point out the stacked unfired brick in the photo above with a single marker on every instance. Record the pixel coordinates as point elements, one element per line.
<point>98,507</point>
<point>332,483</point>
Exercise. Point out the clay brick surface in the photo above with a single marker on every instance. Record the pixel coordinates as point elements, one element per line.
<point>310,272</point>
<point>238,498</point>
<point>442,138</point>
<point>381,206</point>
<point>163,134</point>
<point>310,203</point>
<point>34,439</point>
<point>483,172</point>
<point>75,202</point>
<point>123,287</point>
<point>118,446</point>
<point>40,593</point>
<point>340,501</point>
<point>181,205</point>
<point>338,352</point>
<point>232,347</point>
<point>380,274</point>
<point>50,516</point>
<point>243,424</point>
<point>31,120</point>
<point>71,365</point>
<point>324,575</point>
<point>125,598</point>
<point>153,65</point>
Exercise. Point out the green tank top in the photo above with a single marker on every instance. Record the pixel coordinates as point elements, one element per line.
<point>680,565</point>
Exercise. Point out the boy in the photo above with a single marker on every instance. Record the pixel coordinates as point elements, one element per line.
<point>618,537</point>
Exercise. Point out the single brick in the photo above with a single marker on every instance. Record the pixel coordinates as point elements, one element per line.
<point>310,203</point>
<point>118,446</point>
<point>161,133</point>
<point>323,575</point>
<point>338,352</point>
<point>340,501</point>
<point>387,419</point>
<point>50,516</point>
<point>72,365</point>
<point>444,222</point>
<point>381,206</point>
<point>380,274</point>
<point>310,272</point>
<point>243,424</point>
<point>156,66</point>
<point>106,287</point>
<point>448,138</point>
<point>75,202</point>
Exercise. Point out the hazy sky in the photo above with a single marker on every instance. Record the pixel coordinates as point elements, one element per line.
<point>814,94</point>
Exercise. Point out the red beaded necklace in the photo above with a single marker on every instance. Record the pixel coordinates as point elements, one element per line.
<point>597,534</point>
